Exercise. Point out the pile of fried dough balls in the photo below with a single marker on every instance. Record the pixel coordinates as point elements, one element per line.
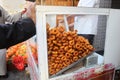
<point>65,48</point>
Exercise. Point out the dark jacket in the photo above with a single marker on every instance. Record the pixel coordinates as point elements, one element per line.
<point>11,34</point>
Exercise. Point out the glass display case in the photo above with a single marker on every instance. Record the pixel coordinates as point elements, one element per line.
<point>59,56</point>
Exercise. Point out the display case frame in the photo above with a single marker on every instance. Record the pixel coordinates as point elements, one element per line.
<point>42,11</point>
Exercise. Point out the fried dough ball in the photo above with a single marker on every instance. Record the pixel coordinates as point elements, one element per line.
<point>75,58</point>
<point>52,37</point>
<point>68,55</point>
<point>55,48</point>
<point>71,42</point>
<point>61,29</point>
<point>53,31</point>
<point>69,38</point>
<point>66,48</point>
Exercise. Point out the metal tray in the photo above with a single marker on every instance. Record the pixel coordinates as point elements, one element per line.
<point>70,66</point>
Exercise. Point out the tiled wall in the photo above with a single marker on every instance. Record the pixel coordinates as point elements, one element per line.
<point>105,3</point>
<point>116,4</point>
<point>99,40</point>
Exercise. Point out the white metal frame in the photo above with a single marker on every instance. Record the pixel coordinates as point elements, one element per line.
<point>41,13</point>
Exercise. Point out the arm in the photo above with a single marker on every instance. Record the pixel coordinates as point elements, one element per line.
<point>10,18</point>
<point>11,34</point>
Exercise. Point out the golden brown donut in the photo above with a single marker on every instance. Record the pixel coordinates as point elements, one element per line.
<point>71,42</point>
<point>63,58</point>
<point>66,48</point>
<point>68,55</point>
<point>75,58</point>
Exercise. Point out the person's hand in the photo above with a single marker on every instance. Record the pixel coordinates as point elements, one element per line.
<point>23,11</point>
<point>31,11</point>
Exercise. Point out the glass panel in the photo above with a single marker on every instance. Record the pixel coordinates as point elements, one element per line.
<point>74,42</point>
